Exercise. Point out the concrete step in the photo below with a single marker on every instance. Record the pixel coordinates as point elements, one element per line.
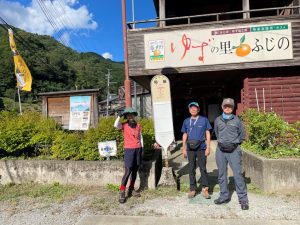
<point>145,220</point>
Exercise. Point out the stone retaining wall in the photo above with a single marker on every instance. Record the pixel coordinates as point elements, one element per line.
<point>92,173</point>
<point>272,175</point>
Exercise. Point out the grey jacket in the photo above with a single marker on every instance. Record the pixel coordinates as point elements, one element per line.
<point>231,131</point>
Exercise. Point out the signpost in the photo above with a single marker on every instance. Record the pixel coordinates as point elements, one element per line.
<point>162,113</point>
<point>107,149</point>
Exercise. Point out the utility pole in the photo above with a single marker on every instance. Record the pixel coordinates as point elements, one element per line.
<point>107,97</point>
<point>134,83</point>
<point>128,102</point>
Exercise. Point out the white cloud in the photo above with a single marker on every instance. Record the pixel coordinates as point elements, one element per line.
<point>66,15</point>
<point>65,37</point>
<point>107,55</point>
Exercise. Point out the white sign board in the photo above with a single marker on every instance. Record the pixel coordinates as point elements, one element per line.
<point>80,112</point>
<point>107,148</point>
<point>251,43</point>
<point>162,111</point>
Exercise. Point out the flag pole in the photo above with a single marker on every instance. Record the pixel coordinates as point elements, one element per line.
<point>20,106</point>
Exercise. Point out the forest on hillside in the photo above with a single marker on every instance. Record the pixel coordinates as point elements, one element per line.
<point>54,67</point>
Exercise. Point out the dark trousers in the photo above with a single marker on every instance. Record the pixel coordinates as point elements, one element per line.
<point>130,171</point>
<point>132,161</point>
<point>193,157</point>
<point>234,159</point>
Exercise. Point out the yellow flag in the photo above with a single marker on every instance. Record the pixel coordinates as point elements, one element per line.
<point>22,72</point>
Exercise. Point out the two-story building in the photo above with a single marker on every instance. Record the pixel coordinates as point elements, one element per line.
<point>248,50</point>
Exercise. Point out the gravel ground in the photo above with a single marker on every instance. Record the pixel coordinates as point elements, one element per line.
<point>25,211</point>
<point>261,207</point>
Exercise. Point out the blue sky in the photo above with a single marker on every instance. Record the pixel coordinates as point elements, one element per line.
<point>84,25</point>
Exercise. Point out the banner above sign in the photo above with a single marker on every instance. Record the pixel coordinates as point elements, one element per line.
<point>252,43</point>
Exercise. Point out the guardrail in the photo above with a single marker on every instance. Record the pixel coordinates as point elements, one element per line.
<point>280,11</point>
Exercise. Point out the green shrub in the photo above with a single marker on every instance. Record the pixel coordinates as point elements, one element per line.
<point>105,131</point>
<point>32,135</point>
<point>66,146</point>
<point>16,132</point>
<point>148,137</point>
<point>269,135</point>
<point>46,132</point>
<point>25,134</point>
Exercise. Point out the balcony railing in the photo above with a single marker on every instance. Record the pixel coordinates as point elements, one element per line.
<point>278,11</point>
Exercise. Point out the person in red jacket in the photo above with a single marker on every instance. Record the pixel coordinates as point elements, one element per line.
<point>133,148</point>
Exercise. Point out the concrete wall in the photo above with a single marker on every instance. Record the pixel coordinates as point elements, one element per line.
<point>92,173</point>
<point>272,175</point>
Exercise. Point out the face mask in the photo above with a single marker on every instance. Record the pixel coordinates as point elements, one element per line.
<point>132,123</point>
<point>227,116</point>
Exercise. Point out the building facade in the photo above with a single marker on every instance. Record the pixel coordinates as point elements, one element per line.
<point>248,50</point>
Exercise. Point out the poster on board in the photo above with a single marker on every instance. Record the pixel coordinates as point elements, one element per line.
<point>80,112</point>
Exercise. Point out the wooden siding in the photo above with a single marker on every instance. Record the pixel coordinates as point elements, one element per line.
<point>137,56</point>
<point>282,95</point>
<point>59,109</point>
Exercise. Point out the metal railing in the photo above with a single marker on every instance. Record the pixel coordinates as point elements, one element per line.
<point>280,11</point>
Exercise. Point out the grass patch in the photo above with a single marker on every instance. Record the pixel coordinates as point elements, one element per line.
<point>252,189</point>
<point>46,193</point>
<point>160,192</point>
<point>108,201</point>
<point>112,187</point>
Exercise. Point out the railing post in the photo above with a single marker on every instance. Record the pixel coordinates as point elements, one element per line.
<point>162,12</point>
<point>189,20</point>
<point>246,7</point>
<point>297,4</point>
<point>218,18</point>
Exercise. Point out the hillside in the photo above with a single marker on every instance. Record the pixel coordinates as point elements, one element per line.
<point>54,67</point>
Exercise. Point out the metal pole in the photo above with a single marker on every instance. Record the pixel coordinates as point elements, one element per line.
<point>264,99</point>
<point>107,97</point>
<point>246,7</point>
<point>256,99</point>
<point>135,98</point>
<point>162,12</point>
<point>20,106</point>
<point>132,6</point>
<point>134,83</point>
<point>128,101</point>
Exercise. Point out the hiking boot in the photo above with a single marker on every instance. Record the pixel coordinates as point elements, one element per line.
<point>133,193</point>
<point>122,197</point>
<point>221,201</point>
<point>245,206</point>
<point>205,193</point>
<point>191,194</point>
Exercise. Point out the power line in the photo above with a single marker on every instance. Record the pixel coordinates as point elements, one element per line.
<point>16,34</point>
<point>68,20</point>
<point>55,17</point>
<point>60,23</point>
<point>51,20</point>
<point>26,45</point>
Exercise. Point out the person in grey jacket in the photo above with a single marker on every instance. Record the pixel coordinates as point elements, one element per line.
<point>230,134</point>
